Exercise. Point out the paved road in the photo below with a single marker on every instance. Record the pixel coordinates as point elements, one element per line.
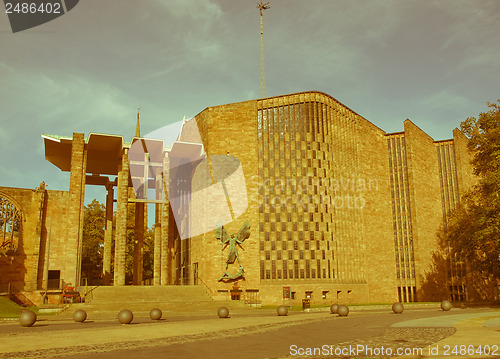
<point>274,343</point>
<point>249,334</point>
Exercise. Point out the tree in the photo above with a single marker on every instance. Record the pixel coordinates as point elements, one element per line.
<point>473,230</point>
<point>148,248</point>
<point>149,244</point>
<point>93,244</point>
<point>93,241</point>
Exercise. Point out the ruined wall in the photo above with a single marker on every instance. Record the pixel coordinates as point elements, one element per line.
<point>44,215</point>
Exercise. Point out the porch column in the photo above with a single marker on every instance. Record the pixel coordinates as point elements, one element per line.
<point>139,242</point>
<point>108,237</point>
<point>157,279</point>
<point>76,192</point>
<point>121,221</point>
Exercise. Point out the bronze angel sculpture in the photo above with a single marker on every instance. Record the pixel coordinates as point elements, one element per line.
<point>232,241</point>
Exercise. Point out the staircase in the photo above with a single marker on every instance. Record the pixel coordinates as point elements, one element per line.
<point>171,294</point>
<point>141,299</point>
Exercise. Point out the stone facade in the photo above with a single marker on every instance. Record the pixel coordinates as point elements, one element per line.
<point>339,210</point>
<point>43,249</point>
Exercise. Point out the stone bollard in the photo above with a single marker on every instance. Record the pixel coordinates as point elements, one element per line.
<point>334,308</point>
<point>155,314</point>
<point>223,312</point>
<point>343,310</point>
<point>398,308</point>
<point>446,305</point>
<point>27,318</point>
<point>80,316</point>
<point>282,310</point>
<point>125,316</point>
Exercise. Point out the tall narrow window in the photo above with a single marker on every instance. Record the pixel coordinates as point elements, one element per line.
<point>10,225</point>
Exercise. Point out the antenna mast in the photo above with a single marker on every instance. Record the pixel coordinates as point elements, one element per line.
<point>261,6</point>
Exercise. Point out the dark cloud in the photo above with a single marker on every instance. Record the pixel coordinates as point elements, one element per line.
<point>89,70</point>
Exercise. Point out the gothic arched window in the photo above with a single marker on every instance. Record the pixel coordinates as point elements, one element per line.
<point>10,225</point>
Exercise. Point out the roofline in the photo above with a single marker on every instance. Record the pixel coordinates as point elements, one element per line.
<point>295,94</point>
<point>448,140</point>
<point>395,133</point>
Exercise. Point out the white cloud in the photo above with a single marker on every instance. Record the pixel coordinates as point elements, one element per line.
<point>447,99</point>
<point>472,29</point>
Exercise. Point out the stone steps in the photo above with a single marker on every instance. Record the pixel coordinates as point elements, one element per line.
<point>107,301</point>
<point>168,294</point>
<point>147,306</point>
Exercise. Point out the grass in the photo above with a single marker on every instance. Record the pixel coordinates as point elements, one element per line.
<point>294,307</point>
<point>9,309</point>
<point>299,307</point>
<point>390,304</point>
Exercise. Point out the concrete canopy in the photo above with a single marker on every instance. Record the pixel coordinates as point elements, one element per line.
<point>103,152</point>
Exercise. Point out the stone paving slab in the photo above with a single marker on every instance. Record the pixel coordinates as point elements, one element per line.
<point>492,323</point>
<point>477,336</point>
<point>447,320</point>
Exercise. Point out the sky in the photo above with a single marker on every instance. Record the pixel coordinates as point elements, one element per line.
<point>434,62</point>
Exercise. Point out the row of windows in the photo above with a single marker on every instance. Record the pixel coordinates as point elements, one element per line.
<point>306,244</point>
<point>296,118</point>
<point>289,217</point>
<point>448,178</point>
<point>294,163</point>
<point>449,198</point>
<point>301,236</point>
<point>300,218</point>
<point>300,170</point>
<point>401,210</point>
<point>401,273</point>
<point>456,269</point>
<point>293,150</point>
<point>301,254</point>
<point>297,272</point>
<point>285,227</point>
<point>407,294</point>
<point>405,257</point>
<point>284,155</point>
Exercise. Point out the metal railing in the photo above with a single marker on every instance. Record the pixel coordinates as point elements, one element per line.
<point>55,284</point>
<point>18,297</point>
<point>5,289</point>
<point>207,288</point>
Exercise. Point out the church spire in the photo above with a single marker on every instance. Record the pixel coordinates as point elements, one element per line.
<point>138,126</point>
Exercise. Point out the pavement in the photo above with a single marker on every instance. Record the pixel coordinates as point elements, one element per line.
<point>477,335</point>
<point>424,332</point>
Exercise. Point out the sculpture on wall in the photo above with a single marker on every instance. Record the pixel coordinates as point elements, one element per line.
<point>228,276</point>
<point>232,241</point>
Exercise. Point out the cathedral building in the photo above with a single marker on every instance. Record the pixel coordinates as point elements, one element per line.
<point>338,208</point>
<point>295,195</point>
